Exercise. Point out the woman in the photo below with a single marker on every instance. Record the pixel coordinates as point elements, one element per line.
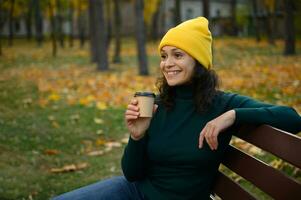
<point>176,154</point>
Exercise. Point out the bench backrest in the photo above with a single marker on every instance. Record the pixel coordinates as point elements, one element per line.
<point>268,179</point>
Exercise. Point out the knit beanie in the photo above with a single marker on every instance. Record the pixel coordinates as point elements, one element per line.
<point>192,36</point>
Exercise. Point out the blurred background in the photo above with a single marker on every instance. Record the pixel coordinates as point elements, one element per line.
<point>69,67</point>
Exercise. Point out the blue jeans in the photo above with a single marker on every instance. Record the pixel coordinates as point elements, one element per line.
<point>117,188</point>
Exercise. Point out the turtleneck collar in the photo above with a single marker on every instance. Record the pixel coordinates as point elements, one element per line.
<point>183,91</point>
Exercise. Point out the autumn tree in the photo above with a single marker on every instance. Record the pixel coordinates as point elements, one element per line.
<point>53,30</point>
<point>233,17</point>
<point>270,19</point>
<point>151,18</point>
<point>60,21</point>
<point>94,51</point>
<point>289,28</point>
<point>29,19</point>
<point>100,35</point>
<point>140,37</point>
<point>71,21</point>
<point>38,21</point>
<point>255,20</point>
<point>1,24</point>
<point>10,22</point>
<point>82,21</point>
<point>117,34</point>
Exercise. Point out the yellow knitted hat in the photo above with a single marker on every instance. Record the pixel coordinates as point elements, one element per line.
<point>192,36</point>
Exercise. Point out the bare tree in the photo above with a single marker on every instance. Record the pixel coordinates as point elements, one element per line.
<point>289,28</point>
<point>117,23</point>
<point>140,37</point>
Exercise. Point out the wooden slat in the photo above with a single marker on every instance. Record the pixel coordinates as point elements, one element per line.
<point>280,143</point>
<point>268,179</point>
<point>227,189</point>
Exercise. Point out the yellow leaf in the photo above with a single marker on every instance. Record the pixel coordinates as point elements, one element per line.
<point>101,106</point>
<point>100,141</point>
<point>54,97</point>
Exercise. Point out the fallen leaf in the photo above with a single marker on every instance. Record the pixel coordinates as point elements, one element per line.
<point>101,106</point>
<point>69,168</point>
<point>96,153</point>
<point>98,120</point>
<point>99,132</point>
<point>51,152</point>
<point>113,144</point>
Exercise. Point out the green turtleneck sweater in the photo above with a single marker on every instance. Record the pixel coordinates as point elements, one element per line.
<point>167,163</point>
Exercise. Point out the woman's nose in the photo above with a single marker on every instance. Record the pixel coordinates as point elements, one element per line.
<point>169,62</point>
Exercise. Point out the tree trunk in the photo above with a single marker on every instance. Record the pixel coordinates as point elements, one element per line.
<point>38,22</point>
<point>177,16</point>
<point>53,27</point>
<point>81,26</point>
<point>233,18</point>
<point>101,36</point>
<point>60,19</point>
<point>109,23</point>
<point>271,33</point>
<point>29,21</point>
<point>93,47</point>
<point>255,20</point>
<point>11,23</point>
<point>289,31</point>
<point>206,9</point>
<point>71,16</point>
<point>140,34</point>
<point>117,21</point>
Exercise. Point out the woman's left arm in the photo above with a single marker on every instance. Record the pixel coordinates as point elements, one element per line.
<point>245,110</point>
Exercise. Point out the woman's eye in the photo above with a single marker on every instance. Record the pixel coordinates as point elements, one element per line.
<point>178,55</point>
<point>163,57</point>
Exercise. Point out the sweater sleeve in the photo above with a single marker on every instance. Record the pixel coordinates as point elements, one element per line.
<point>255,112</point>
<point>134,159</point>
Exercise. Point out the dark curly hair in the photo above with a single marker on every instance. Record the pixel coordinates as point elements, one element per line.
<point>205,87</point>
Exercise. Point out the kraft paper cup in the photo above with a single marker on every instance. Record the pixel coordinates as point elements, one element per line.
<point>145,103</point>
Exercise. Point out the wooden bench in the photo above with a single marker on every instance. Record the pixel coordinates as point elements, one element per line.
<point>271,181</point>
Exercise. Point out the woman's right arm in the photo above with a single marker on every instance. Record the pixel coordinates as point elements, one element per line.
<point>134,158</point>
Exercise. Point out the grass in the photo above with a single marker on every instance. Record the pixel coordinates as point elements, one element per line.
<point>26,133</point>
<point>29,132</point>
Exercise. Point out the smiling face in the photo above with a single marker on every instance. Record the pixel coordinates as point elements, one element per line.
<point>176,65</point>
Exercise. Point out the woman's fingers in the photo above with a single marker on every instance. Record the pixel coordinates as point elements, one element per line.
<point>209,133</point>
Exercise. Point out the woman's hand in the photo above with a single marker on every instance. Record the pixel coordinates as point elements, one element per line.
<point>136,125</point>
<point>214,127</point>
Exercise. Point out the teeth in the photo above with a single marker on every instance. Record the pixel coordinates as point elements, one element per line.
<point>173,72</point>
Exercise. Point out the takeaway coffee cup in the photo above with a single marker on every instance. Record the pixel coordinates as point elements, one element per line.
<point>145,103</point>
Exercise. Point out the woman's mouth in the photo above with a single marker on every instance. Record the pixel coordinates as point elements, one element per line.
<point>172,73</point>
